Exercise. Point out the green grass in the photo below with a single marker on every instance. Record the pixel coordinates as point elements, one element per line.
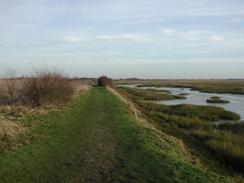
<point>219,149</point>
<point>224,144</point>
<point>207,113</point>
<point>95,140</point>
<point>237,128</point>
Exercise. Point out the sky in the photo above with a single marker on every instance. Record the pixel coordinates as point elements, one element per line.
<point>164,39</point>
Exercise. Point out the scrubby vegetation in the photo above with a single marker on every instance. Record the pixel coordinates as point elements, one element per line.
<point>225,143</point>
<point>44,91</point>
<point>47,87</point>
<point>207,113</point>
<point>218,148</point>
<point>237,128</point>
<point>217,100</point>
<point>43,87</point>
<point>104,81</point>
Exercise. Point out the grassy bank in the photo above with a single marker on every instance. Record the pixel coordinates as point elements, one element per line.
<point>95,140</point>
<point>218,149</point>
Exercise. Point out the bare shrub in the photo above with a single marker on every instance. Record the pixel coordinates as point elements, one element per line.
<point>2,89</point>
<point>11,82</point>
<point>104,81</point>
<point>47,87</point>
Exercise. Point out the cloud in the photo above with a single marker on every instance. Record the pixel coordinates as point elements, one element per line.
<point>192,35</point>
<point>216,38</point>
<point>169,32</point>
<point>237,20</point>
<point>189,34</point>
<point>72,39</point>
<point>125,37</point>
<point>84,30</point>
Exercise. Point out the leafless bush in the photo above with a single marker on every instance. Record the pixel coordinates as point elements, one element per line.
<point>104,81</point>
<point>11,82</point>
<point>2,89</point>
<point>47,87</point>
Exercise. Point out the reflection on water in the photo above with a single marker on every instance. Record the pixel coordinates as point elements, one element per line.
<point>199,98</point>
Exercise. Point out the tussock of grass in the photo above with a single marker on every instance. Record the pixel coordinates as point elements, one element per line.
<point>8,132</point>
<point>184,94</point>
<point>217,100</point>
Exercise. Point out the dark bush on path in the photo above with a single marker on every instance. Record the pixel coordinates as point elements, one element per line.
<point>47,87</point>
<point>104,81</point>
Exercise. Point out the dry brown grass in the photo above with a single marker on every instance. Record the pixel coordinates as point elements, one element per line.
<point>80,86</point>
<point>18,87</point>
<point>9,132</point>
<point>8,129</point>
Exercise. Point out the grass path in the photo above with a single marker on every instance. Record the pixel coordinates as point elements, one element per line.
<point>95,140</point>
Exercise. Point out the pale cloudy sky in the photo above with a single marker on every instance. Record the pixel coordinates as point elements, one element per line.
<point>124,38</point>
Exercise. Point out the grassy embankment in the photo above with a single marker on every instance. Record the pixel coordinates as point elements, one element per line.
<point>217,148</point>
<point>210,86</point>
<point>96,140</point>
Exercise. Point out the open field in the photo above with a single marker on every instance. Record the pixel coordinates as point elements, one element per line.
<point>211,86</point>
<point>217,148</point>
